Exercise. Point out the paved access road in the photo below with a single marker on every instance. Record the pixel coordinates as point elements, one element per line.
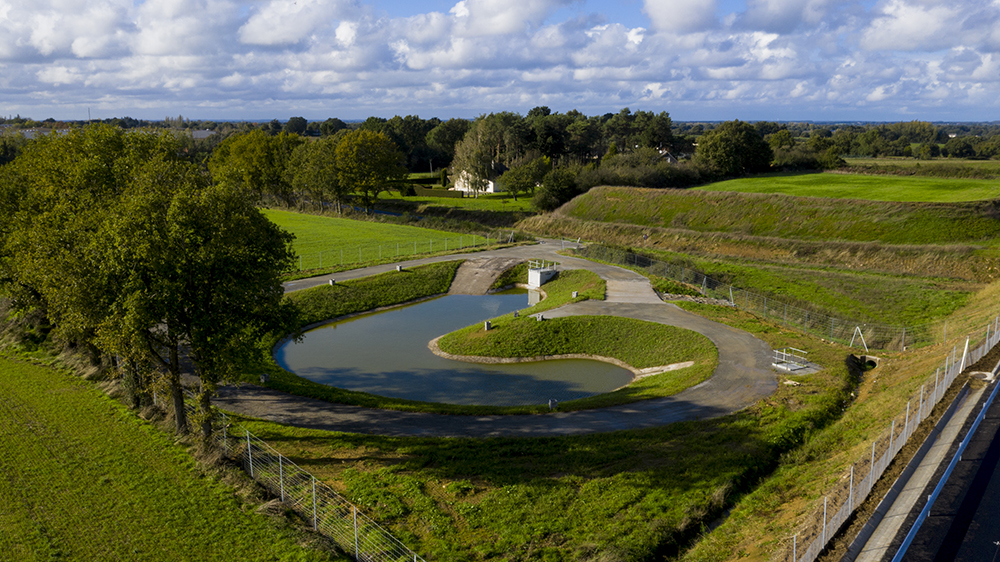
<point>743,376</point>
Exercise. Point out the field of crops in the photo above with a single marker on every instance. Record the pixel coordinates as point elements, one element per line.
<point>866,187</point>
<point>82,478</point>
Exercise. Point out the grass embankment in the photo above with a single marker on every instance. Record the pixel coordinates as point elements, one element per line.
<point>868,297</point>
<point>83,478</point>
<point>864,187</point>
<point>790,217</point>
<point>867,281</point>
<point>628,496</point>
<point>638,344</point>
<point>764,521</point>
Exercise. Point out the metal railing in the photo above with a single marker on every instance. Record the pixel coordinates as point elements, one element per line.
<point>856,484</point>
<point>329,513</point>
<point>878,336</point>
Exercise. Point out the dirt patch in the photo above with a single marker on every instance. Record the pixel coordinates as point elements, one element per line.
<point>476,276</point>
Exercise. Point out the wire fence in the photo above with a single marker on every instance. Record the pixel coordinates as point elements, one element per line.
<point>329,513</point>
<point>876,336</point>
<point>856,484</point>
<point>374,250</point>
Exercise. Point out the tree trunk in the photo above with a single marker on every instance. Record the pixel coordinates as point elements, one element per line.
<point>180,414</point>
<point>205,408</point>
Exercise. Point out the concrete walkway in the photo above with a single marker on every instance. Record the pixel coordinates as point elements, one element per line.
<point>743,376</point>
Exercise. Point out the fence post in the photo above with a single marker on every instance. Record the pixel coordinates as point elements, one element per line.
<point>281,477</point>
<point>795,548</point>
<point>902,345</point>
<point>892,431</point>
<point>920,418</point>
<point>824,520</point>
<point>315,521</point>
<point>357,556</point>
<point>249,452</point>
<point>850,496</point>
<point>906,428</point>
<point>871,467</point>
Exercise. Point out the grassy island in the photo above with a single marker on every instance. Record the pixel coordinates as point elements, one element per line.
<point>639,344</point>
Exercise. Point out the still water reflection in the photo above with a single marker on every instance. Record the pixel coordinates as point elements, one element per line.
<point>386,354</point>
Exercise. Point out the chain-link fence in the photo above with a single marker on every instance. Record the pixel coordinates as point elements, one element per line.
<point>327,511</point>
<point>876,336</point>
<point>370,251</point>
<point>855,485</point>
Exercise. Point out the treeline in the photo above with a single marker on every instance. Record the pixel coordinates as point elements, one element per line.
<point>113,244</point>
<point>547,155</point>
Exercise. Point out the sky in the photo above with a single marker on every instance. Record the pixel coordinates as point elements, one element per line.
<point>698,60</point>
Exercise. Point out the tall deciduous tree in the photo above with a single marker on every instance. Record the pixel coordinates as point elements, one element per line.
<point>256,161</point>
<point>734,148</point>
<point>524,178</point>
<point>367,162</point>
<point>312,173</point>
<point>133,252</point>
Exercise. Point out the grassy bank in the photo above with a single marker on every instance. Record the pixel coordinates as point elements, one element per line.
<point>764,521</point>
<point>634,342</point>
<point>626,496</point>
<point>879,187</point>
<point>788,217</point>
<point>85,479</point>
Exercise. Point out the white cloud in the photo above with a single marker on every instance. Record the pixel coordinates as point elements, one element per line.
<point>682,16</point>
<point>340,57</point>
<point>784,16</point>
<point>500,17</point>
<point>284,22</point>
<point>906,25</point>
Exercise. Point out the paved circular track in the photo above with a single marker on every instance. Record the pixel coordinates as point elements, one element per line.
<point>743,376</point>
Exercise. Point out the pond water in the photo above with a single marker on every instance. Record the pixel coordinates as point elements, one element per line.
<point>386,354</point>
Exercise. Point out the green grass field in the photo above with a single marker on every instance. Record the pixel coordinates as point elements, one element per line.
<point>787,217</point>
<point>493,202</point>
<point>323,241</point>
<point>866,187</point>
<point>83,478</point>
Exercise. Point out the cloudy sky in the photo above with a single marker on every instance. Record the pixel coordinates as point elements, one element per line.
<point>882,60</point>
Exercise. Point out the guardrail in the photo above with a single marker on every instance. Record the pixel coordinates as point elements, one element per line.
<point>856,484</point>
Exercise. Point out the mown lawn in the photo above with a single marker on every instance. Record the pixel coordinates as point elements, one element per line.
<point>866,187</point>
<point>324,241</point>
<point>83,478</point>
<point>493,202</point>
